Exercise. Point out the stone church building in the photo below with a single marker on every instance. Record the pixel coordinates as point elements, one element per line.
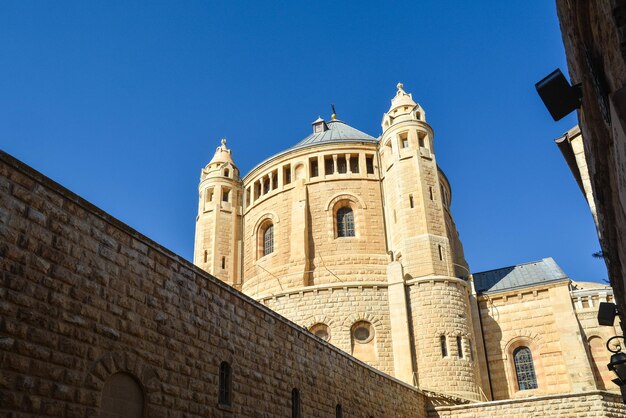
<point>330,281</point>
<point>352,237</point>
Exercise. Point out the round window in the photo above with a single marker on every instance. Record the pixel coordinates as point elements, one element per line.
<point>321,331</point>
<point>363,332</point>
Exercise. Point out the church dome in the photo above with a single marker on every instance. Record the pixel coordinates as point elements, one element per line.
<point>333,131</point>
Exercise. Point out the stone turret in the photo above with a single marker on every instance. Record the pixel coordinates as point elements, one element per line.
<point>425,263</point>
<point>218,225</point>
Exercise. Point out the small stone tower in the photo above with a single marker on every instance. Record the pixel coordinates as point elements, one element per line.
<point>218,225</point>
<point>426,257</point>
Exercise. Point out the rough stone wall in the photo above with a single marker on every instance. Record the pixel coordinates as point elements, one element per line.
<point>441,307</point>
<point>579,405</point>
<point>340,308</point>
<point>594,36</point>
<point>84,296</point>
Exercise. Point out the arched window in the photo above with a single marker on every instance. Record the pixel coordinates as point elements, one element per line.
<point>345,222</point>
<point>321,330</point>
<point>444,346</point>
<point>225,388</point>
<point>268,240</point>
<point>122,396</point>
<point>363,341</point>
<point>524,368</point>
<point>338,411</point>
<point>295,404</point>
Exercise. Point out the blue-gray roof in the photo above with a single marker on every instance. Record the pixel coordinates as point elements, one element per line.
<point>337,131</point>
<point>521,275</point>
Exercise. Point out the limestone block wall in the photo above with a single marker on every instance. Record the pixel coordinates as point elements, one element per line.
<point>340,307</point>
<point>586,304</point>
<point>302,209</point>
<point>440,309</point>
<point>578,405</point>
<point>543,320</point>
<point>84,297</point>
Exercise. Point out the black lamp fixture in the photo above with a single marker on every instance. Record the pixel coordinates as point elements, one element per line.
<point>559,97</point>
<point>618,365</point>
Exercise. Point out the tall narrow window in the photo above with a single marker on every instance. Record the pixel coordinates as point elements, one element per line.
<point>287,174</point>
<point>411,204</point>
<point>342,165</point>
<point>440,252</point>
<point>225,390</point>
<point>524,368</point>
<point>295,403</point>
<point>459,346</point>
<point>345,222</point>
<point>206,255</point>
<point>431,194</point>
<point>369,164</point>
<point>223,263</point>
<point>354,163</point>
<point>329,165</point>
<point>225,195</point>
<point>226,172</point>
<point>404,140</point>
<point>209,194</point>
<point>313,167</point>
<point>444,346</point>
<point>421,137</point>
<point>338,411</point>
<point>268,240</point>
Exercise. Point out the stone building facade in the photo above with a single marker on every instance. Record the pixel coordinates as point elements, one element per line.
<point>359,301</point>
<point>352,237</point>
<point>594,36</point>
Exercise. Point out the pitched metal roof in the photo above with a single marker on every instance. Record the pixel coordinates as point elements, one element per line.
<point>338,131</point>
<point>521,275</point>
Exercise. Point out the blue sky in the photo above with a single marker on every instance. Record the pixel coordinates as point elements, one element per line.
<point>124,102</point>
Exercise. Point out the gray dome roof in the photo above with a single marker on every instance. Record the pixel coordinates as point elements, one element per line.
<point>337,131</point>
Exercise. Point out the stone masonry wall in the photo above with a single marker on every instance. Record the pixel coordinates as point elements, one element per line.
<point>83,296</point>
<point>578,405</point>
<point>339,308</point>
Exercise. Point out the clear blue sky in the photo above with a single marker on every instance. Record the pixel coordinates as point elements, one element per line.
<point>123,102</point>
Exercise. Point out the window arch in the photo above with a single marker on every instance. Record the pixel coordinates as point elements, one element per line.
<point>225,384</point>
<point>524,368</point>
<point>320,330</point>
<point>265,238</point>
<point>122,396</point>
<point>345,222</point>
<point>362,334</point>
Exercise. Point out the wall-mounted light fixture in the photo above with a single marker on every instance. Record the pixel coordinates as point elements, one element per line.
<point>559,97</point>
<point>618,365</point>
<point>607,312</point>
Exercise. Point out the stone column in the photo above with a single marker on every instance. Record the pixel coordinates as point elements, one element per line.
<point>399,319</point>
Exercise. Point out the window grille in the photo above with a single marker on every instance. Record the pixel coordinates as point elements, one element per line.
<point>225,391</point>
<point>524,368</point>
<point>268,240</point>
<point>345,222</point>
